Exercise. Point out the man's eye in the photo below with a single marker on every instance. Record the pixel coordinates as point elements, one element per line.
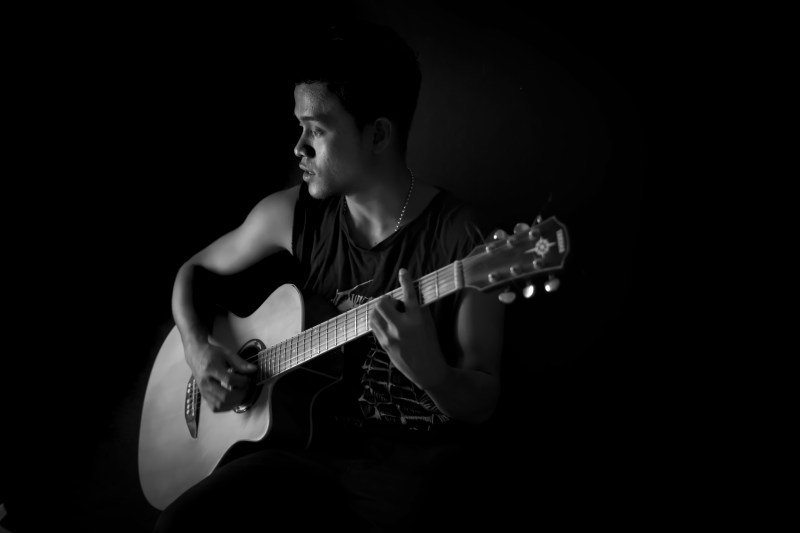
<point>314,131</point>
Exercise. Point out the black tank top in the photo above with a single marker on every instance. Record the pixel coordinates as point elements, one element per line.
<point>334,267</point>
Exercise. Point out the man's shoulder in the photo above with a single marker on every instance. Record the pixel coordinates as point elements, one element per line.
<point>455,225</point>
<point>280,200</point>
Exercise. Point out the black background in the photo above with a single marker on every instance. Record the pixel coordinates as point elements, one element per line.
<point>142,136</point>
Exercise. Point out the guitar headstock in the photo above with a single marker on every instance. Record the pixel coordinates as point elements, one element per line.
<point>529,251</point>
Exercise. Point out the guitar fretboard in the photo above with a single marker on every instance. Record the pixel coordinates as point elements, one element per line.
<point>350,325</point>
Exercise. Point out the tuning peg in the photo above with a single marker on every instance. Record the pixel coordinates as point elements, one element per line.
<point>507,296</point>
<point>538,219</point>
<point>499,234</point>
<point>521,228</point>
<point>552,284</point>
<point>529,290</point>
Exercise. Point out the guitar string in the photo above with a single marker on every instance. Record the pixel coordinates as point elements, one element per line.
<point>428,287</point>
<point>338,328</point>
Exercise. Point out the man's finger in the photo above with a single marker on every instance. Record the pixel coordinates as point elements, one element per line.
<point>212,392</point>
<point>378,324</point>
<point>239,364</point>
<point>386,309</point>
<point>378,316</point>
<point>236,381</point>
<point>409,291</point>
<point>228,379</point>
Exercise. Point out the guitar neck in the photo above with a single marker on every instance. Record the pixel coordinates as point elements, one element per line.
<point>351,324</point>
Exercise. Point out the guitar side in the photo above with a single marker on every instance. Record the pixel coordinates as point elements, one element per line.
<point>170,459</point>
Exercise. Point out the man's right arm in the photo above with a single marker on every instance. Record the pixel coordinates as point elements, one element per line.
<point>266,230</point>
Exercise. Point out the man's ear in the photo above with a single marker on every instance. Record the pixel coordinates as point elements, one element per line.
<point>383,130</point>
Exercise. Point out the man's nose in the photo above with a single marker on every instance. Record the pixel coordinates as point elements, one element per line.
<point>302,149</point>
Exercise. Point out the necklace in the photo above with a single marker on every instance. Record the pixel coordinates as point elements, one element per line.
<point>408,197</point>
<point>405,205</point>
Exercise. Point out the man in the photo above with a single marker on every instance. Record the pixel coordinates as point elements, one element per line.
<point>359,226</point>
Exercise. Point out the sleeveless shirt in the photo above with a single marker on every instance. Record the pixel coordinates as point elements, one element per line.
<point>334,267</point>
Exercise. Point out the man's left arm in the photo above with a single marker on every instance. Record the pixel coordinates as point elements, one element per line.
<point>468,391</point>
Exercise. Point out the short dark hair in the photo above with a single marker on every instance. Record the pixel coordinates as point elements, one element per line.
<point>372,70</point>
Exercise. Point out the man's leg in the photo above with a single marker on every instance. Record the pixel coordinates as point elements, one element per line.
<point>264,488</point>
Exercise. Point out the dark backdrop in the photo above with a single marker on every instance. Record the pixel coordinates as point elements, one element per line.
<point>144,136</point>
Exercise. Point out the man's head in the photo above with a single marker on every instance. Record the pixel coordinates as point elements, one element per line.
<point>356,90</point>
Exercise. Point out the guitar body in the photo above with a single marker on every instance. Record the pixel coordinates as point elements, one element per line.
<point>171,459</point>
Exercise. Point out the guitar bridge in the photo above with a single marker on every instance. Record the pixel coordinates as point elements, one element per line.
<point>192,412</point>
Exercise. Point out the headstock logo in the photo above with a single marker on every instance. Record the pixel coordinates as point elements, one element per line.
<point>541,248</point>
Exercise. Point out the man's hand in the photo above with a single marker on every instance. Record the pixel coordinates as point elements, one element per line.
<point>408,335</point>
<point>220,374</point>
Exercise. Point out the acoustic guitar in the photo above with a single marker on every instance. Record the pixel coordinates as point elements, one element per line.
<point>181,440</point>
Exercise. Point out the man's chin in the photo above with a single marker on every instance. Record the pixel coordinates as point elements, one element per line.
<point>317,190</point>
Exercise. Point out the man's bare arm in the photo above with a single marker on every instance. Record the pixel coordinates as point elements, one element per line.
<point>468,391</point>
<point>266,230</point>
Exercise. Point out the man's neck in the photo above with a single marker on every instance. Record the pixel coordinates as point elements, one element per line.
<point>375,209</point>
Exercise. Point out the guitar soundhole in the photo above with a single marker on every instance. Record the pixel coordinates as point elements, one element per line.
<point>250,349</point>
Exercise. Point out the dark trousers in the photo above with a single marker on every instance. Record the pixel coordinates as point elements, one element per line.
<point>363,482</point>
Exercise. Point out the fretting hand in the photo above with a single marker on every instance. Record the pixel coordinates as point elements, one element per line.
<point>408,335</point>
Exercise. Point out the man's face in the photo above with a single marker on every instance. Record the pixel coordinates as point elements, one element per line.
<point>331,148</point>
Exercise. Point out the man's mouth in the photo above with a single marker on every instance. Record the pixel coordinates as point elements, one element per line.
<point>306,173</point>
